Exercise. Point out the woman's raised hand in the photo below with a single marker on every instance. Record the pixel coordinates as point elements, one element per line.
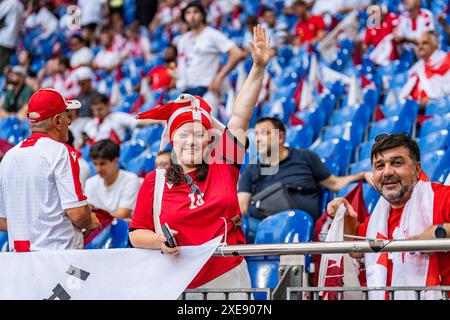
<point>260,47</point>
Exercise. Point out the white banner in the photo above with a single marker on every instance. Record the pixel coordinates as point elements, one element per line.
<point>101,274</point>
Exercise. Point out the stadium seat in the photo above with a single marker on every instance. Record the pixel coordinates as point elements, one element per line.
<point>363,165</point>
<point>315,118</point>
<point>435,164</point>
<point>389,125</point>
<point>142,164</point>
<point>129,150</point>
<point>348,131</point>
<point>438,106</point>
<point>148,134</point>
<point>359,113</point>
<point>407,110</point>
<point>284,227</point>
<point>3,241</point>
<point>119,234</point>
<point>364,150</point>
<point>101,240</point>
<point>337,150</point>
<point>435,141</point>
<point>434,124</point>
<point>300,136</point>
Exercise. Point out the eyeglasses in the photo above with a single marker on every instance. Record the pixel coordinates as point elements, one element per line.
<point>190,182</point>
<point>401,134</point>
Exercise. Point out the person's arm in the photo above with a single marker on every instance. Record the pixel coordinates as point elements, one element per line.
<point>122,213</point>
<point>244,201</point>
<point>351,222</point>
<point>335,183</point>
<point>429,233</point>
<point>3,225</point>
<point>82,218</point>
<point>248,95</point>
<point>147,239</point>
<point>234,56</point>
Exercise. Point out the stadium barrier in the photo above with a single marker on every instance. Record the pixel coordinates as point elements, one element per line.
<point>293,284</point>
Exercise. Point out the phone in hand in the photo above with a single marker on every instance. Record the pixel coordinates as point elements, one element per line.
<point>171,241</point>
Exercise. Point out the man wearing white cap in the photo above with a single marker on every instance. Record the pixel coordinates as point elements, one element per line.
<point>42,205</point>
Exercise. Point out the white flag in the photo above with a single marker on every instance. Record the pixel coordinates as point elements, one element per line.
<point>101,274</point>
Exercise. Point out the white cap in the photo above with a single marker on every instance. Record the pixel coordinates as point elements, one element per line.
<point>84,73</point>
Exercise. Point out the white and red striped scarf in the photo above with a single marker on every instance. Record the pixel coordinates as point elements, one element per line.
<point>409,269</point>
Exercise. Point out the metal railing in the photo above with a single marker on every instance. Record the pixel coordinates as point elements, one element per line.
<point>292,275</point>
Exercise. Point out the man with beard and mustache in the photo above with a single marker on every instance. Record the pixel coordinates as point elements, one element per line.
<point>411,207</point>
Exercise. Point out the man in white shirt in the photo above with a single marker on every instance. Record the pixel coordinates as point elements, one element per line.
<point>112,190</point>
<point>81,53</point>
<point>413,23</point>
<point>42,205</point>
<point>199,52</point>
<point>11,13</point>
<point>41,17</point>
<point>107,58</point>
<point>107,124</point>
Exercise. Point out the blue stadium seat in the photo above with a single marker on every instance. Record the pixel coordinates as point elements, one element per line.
<point>119,234</point>
<point>142,164</point>
<point>300,136</point>
<point>407,110</point>
<point>389,125</point>
<point>435,141</point>
<point>371,197</point>
<point>435,123</point>
<point>314,118</point>
<point>363,165</point>
<point>438,106</point>
<point>349,131</point>
<point>3,241</point>
<point>284,227</point>
<point>435,164</point>
<point>101,240</point>
<point>360,114</point>
<point>364,150</point>
<point>337,150</point>
<point>325,194</point>
<point>148,134</point>
<point>129,150</point>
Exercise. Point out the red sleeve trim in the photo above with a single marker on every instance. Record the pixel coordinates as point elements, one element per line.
<point>75,173</point>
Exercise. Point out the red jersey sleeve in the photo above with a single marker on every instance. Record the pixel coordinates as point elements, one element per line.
<point>441,203</point>
<point>320,23</point>
<point>143,213</point>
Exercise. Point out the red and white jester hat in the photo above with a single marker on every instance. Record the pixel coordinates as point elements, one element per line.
<point>186,108</point>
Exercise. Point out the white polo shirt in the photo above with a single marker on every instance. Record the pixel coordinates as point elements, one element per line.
<point>114,126</point>
<point>39,180</point>
<point>121,194</point>
<point>199,57</point>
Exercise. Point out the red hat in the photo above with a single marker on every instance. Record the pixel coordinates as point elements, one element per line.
<point>160,77</point>
<point>186,108</point>
<point>47,102</point>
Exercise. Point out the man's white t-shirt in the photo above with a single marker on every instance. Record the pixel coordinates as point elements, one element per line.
<point>12,11</point>
<point>121,194</point>
<point>413,28</point>
<point>107,59</point>
<point>39,180</point>
<point>81,57</point>
<point>114,125</point>
<point>45,20</point>
<point>199,57</point>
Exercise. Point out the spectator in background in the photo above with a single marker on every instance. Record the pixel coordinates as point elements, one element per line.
<point>250,23</point>
<point>39,16</point>
<point>91,18</point>
<point>24,58</point>
<point>428,78</point>
<point>56,74</point>
<point>137,45</point>
<point>81,53</point>
<point>11,13</point>
<point>277,31</point>
<point>162,160</point>
<point>108,58</point>
<point>168,17</point>
<point>112,190</point>
<point>214,16</point>
<point>413,23</point>
<point>18,94</point>
<point>300,169</point>
<point>199,52</point>
<point>106,124</point>
<point>164,76</point>
<point>85,78</point>
<point>310,28</point>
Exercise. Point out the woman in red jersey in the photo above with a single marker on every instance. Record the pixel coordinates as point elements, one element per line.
<point>199,196</point>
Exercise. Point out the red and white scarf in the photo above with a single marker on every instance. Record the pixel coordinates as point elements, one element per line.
<point>409,269</point>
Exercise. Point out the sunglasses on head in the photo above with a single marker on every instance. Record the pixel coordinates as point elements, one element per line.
<point>190,182</point>
<point>395,135</point>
